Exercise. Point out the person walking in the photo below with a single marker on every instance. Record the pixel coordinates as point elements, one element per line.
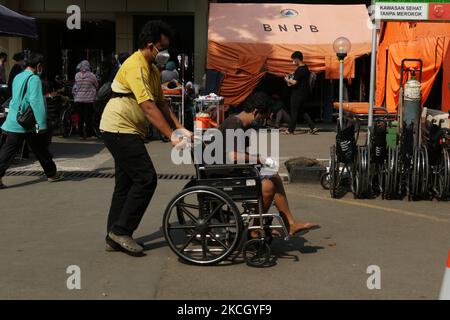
<point>137,99</point>
<point>86,85</point>
<point>299,82</point>
<point>27,93</point>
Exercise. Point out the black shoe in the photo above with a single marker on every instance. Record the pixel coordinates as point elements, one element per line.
<point>125,244</point>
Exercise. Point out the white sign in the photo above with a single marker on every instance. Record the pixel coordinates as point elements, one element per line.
<point>401,11</point>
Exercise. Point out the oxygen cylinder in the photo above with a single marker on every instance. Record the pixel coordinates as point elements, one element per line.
<point>412,103</point>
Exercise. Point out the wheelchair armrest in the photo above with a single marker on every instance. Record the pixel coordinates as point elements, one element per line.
<point>228,166</point>
<point>227,171</point>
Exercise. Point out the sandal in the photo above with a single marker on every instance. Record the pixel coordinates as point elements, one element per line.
<point>287,133</point>
<point>307,228</point>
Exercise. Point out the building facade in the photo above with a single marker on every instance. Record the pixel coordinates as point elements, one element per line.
<point>122,19</point>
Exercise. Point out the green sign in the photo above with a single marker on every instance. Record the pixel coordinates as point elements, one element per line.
<point>418,10</point>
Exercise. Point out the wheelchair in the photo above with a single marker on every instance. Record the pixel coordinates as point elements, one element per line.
<point>360,166</point>
<point>407,168</point>
<point>436,137</point>
<point>211,219</point>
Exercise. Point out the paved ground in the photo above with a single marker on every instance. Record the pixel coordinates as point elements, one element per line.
<point>47,227</point>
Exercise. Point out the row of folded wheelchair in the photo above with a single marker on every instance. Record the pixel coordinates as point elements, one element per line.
<point>399,158</point>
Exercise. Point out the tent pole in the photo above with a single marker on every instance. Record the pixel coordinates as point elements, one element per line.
<point>373,62</point>
<point>341,94</point>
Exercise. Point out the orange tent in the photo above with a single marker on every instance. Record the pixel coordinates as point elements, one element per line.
<point>246,41</point>
<point>419,40</point>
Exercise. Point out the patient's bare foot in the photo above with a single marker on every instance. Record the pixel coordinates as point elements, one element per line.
<point>254,234</point>
<point>302,227</point>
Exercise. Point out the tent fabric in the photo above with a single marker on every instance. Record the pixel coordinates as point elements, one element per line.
<point>400,40</point>
<point>247,41</point>
<point>15,24</point>
<point>446,77</point>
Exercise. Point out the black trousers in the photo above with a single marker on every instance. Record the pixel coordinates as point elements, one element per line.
<point>282,117</point>
<point>136,182</point>
<point>85,119</point>
<point>298,100</point>
<point>38,144</point>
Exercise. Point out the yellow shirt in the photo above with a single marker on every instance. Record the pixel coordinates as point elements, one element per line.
<point>124,115</point>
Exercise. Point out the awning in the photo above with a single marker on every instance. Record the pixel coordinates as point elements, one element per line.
<point>15,24</point>
<point>246,41</point>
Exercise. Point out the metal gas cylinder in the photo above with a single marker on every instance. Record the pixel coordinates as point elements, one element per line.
<point>412,102</point>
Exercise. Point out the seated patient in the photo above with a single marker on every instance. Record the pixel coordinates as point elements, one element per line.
<point>272,185</point>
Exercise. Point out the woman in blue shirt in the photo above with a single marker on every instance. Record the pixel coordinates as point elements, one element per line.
<point>15,134</point>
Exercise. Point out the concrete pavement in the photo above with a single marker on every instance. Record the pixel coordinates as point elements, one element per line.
<point>47,227</point>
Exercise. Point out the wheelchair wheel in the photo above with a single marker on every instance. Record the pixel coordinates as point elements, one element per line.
<point>334,173</point>
<point>361,174</point>
<point>256,252</point>
<point>202,225</point>
<point>325,180</point>
<point>425,177</point>
<point>441,176</point>
<point>419,179</point>
<point>66,125</point>
<point>378,184</point>
<point>180,213</point>
<point>390,175</point>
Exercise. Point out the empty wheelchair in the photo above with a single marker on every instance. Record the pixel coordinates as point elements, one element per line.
<point>211,219</point>
<point>436,138</point>
<point>342,155</point>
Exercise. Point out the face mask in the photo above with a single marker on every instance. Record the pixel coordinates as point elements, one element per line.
<point>162,58</point>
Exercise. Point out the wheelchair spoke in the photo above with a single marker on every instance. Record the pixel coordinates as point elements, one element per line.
<point>188,242</point>
<point>222,225</point>
<point>181,227</point>
<point>191,206</point>
<point>219,241</point>
<point>214,212</point>
<point>190,215</point>
<point>204,247</point>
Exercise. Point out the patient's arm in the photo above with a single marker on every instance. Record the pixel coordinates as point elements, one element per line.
<point>240,157</point>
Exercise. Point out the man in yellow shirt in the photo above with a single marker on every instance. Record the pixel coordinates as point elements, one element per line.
<point>137,99</point>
